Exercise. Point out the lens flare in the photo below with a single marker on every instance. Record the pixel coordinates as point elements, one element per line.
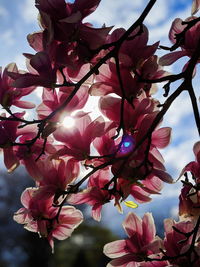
<point>68,122</point>
<point>127,144</point>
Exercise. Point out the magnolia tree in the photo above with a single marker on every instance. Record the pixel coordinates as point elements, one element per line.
<point>119,150</point>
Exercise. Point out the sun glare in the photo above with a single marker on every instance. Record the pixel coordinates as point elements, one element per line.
<point>68,122</point>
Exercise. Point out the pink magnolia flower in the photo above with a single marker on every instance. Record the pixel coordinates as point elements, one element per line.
<point>9,94</point>
<point>9,134</point>
<point>52,100</point>
<point>135,56</point>
<point>134,112</point>
<point>190,41</point>
<point>190,197</point>
<point>56,175</point>
<point>138,118</point>
<point>141,242</point>
<point>107,82</point>
<point>27,154</point>
<point>41,72</point>
<point>194,166</point>
<point>77,140</point>
<point>189,202</point>
<point>39,216</point>
<point>176,243</point>
<point>63,22</point>
<point>94,195</point>
<point>139,190</point>
<point>108,147</point>
<point>135,51</point>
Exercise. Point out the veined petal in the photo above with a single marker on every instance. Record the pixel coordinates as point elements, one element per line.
<point>24,104</point>
<point>148,227</point>
<point>96,212</point>
<point>196,150</point>
<point>115,249</point>
<point>164,176</point>
<point>132,224</point>
<point>22,216</point>
<point>170,58</point>
<point>125,261</point>
<point>161,137</point>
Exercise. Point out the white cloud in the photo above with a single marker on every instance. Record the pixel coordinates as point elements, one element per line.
<point>158,13</point>
<point>118,13</point>
<point>7,38</point>
<point>28,11</point>
<point>179,110</point>
<point>177,156</point>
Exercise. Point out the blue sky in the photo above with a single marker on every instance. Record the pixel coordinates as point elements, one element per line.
<point>19,18</point>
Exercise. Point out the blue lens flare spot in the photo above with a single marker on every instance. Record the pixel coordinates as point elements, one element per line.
<point>127,144</point>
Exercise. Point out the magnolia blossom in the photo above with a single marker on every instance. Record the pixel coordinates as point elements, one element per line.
<point>176,243</point>
<point>38,215</point>
<point>94,195</point>
<point>189,45</point>
<point>55,177</point>
<point>9,94</point>
<point>77,139</point>
<point>120,152</point>
<point>129,57</point>
<point>189,205</point>
<point>41,72</point>
<point>52,99</point>
<point>194,166</point>
<point>141,242</point>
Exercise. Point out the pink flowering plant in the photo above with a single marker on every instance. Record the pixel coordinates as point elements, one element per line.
<point>74,157</point>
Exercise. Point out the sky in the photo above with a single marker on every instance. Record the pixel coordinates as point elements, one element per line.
<point>19,18</point>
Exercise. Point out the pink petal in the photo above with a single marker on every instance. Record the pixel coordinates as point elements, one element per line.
<point>110,107</point>
<point>22,216</point>
<point>26,196</point>
<point>176,28</point>
<point>96,212</point>
<point>94,36</point>
<point>148,227</point>
<point>41,62</point>
<point>86,6</point>
<point>35,41</point>
<point>26,80</point>
<point>95,129</point>
<point>139,194</point>
<point>155,245</point>
<point>132,224</point>
<point>170,58</point>
<point>24,104</point>
<point>31,226</point>
<point>70,218</point>
<point>153,184</point>
<point>32,168</point>
<point>80,198</point>
<point>115,249</point>
<point>161,137</point>
<point>164,176</point>
<point>74,18</point>
<point>196,150</point>
<point>10,160</point>
<point>125,261</point>
<point>100,89</point>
